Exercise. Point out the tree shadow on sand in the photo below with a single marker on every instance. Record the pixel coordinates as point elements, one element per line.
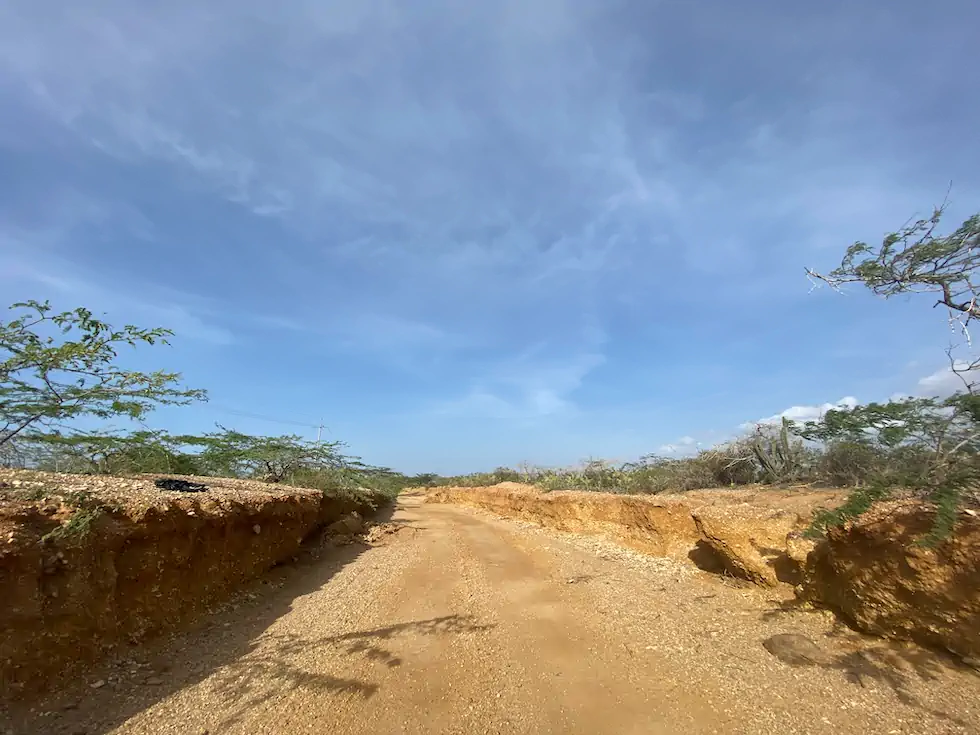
<point>268,669</point>
<point>866,660</point>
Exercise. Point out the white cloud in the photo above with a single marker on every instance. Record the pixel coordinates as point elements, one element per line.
<point>278,323</point>
<point>397,340</point>
<point>385,332</point>
<point>803,413</point>
<point>945,382</point>
<point>684,445</point>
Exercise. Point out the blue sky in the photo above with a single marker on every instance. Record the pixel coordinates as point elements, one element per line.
<point>471,234</point>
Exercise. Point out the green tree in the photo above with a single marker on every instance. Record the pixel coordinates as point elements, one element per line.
<point>917,260</point>
<point>928,444</point>
<point>60,366</point>
<point>425,479</point>
<point>271,458</point>
<point>506,474</point>
<point>112,453</point>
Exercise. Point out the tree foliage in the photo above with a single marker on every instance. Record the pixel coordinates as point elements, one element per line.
<point>917,260</point>
<point>57,367</point>
<point>271,458</point>
<point>110,453</point>
<point>60,366</point>
<point>927,444</point>
<point>930,446</point>
<point>425,479</point>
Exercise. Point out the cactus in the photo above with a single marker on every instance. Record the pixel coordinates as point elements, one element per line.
<point>779,457</point>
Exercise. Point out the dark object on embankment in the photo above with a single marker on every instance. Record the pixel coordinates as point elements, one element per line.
<point>179,486</point>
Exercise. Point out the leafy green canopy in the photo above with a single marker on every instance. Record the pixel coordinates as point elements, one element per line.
<point>273,458</point>
<point>60,366</point>
<point>917,260</point>
<point>928,445</point>
<point>109,453</point>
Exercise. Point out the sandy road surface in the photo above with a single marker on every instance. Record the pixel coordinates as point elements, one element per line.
<point>460,622</point>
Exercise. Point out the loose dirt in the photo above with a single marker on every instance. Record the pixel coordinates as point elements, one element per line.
<point>455,621</point>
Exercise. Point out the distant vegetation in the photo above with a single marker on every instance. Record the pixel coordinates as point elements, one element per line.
<point>897,444</point>
<point>287,459</point>
<point>59,367</point>
<point>927,446</point>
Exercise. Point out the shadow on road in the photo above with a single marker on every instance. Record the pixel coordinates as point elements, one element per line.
<point>228,646</point>
<point>865,660</point>
<point>267,670</point>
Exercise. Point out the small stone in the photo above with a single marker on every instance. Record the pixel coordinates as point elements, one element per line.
<point>97,684</point>
<point>795,649</point>
<point>257,528</point>
<point>154,681</point>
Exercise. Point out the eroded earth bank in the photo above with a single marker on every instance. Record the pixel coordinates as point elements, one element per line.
<point>450,618</point>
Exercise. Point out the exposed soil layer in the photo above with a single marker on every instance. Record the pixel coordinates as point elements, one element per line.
<point>456,621</point>
<point>878,575</point>
<point>89,564</point>
<point>874,572</point>
<point>753,534</point>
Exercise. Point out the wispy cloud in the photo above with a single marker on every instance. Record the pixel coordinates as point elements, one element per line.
<point>444,186</point>
<point>684,445</point>
<point>944,381</point>
<point>29,273</point>
<point>529,387</point>
<point>441,172</point>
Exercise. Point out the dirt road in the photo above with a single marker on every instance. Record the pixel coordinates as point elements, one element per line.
<point>459,622</point>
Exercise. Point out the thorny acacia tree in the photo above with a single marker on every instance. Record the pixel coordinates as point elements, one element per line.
<point>917,260</point>
<point>110,453</point>
<point>60,366</point>
<point>271,458</point>
<point>934,443</point>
